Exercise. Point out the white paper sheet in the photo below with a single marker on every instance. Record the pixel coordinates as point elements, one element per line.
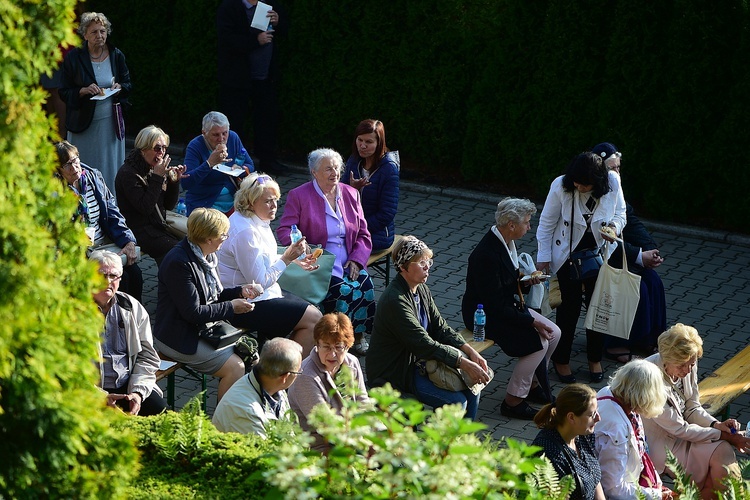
<point>260,18</point>
<point>107,94</point>
<point>226,169</point>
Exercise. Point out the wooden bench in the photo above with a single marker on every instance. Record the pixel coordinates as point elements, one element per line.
<point>468,336</point>
<point>380,261</point>
<point>727,383</point>
<point>167,369</point>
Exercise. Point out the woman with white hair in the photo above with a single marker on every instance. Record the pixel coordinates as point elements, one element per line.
<point>635,390</point>
<point>701,443</point>
<point>330,214</point>
<point>493,280</point>
<point>217,144</point>
<point>249,256</point>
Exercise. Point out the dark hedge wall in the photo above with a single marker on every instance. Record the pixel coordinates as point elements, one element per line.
<point>499,92</point>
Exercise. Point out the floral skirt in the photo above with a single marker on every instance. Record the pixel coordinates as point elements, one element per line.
<point>356,299</point>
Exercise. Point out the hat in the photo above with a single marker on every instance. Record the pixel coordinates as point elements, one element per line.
<point>605,150</point>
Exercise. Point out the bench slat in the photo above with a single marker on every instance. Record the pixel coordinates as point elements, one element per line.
<point>727,383</point>
<point>468,336</point>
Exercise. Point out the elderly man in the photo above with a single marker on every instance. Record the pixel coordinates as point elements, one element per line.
<point>260,396</point>
<point>128,359</point>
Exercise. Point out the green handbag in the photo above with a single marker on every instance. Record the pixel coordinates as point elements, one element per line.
<point>309,285</point>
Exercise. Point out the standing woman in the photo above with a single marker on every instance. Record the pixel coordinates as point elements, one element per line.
<point>578,205</point>
<point>373,169</point>
<point>146,188</point>
<point>567,439</point>
<point>88,69</point>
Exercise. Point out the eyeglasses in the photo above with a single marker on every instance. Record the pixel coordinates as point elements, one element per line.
<point>73,161</point>
<point>296,373</point>
<point>223,237</point>
<point>112,277</point>
<point>339,348</point>
<point>159,148</point>
<point>424,263</point>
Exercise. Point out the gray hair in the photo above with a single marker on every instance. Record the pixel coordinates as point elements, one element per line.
<point>93,17</point>
<point>214,119</point>
<point>279,356</point>
<point>315,158</point>
<point>639,384</point>
<point>513,210</point>
<point>107,258</point>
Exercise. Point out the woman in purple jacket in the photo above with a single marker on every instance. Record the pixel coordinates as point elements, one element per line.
<point>374,171</point>
<point>330,214</point>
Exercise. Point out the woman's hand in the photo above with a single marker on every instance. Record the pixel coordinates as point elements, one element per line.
<point>241,306</point>
<point>476,373</point>
<point>727,425</point>
<point>160,168</point>
<point>130,251</point>
<point>309,263</point>
<point>294,250</point>
<point>252,290</point>
<point>545,331</point>
<point>218,155</point>
<point>667,494</point>
<point>358,183</point>
<point>473,355</point>
<point>265,37</point>
<point>176,173</point>
<point>273,17</point>
<point>353,268</point>
<point>651,259</point>
<point>543,267</point>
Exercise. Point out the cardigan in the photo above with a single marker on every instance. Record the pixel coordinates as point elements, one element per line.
<point>398,339</point>
<point>379,197</point>
<point>492,280</point>
<point>78,72</point>
<point>306,208</point>
<point>182,309</point>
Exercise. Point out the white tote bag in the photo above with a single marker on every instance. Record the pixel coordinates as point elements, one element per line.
<point>615,300</point>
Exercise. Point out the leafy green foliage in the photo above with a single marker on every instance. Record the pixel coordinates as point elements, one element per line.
<point>54,427</point>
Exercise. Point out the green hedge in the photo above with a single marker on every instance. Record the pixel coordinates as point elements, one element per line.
<point>489,93</point>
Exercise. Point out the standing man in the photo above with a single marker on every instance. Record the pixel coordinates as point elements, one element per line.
<point>248,71</point>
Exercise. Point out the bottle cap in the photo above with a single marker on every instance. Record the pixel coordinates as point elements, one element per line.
<point>480,306</point>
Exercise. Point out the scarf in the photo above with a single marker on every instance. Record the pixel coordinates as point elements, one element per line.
<point>208,264</point>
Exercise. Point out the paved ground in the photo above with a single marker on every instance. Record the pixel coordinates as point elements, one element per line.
<point>705,275</point>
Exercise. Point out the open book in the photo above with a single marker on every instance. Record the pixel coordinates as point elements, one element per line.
<point>234,170</point>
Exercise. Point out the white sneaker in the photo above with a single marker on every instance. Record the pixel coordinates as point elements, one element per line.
<point>360,346</point>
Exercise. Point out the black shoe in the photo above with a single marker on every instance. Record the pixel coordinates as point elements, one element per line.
<point>521,411</point>
<point>565,379</point>
<point>596,377</point>
<point>538,395</point>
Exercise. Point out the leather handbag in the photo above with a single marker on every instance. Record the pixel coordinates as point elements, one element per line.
<point>452,379</point>
<point>311,286</point>
<point>119,120</point>
<point>176,224</point>
<point>220,334</point>
<point>584,264</point>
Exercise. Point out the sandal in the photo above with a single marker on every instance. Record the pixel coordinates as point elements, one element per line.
<point>620,357</point>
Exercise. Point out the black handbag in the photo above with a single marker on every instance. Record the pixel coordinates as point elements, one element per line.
<point>220,334</point>
<point>584,264</point>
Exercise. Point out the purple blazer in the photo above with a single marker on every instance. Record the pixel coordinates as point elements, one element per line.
<point>306,208</point>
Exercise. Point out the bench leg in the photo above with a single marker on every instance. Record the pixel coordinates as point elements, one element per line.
<point>170,390</point>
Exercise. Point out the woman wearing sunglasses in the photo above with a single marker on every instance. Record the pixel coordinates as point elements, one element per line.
<point>146,188</point>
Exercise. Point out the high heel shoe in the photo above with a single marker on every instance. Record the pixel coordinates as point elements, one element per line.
<point>565,379</point>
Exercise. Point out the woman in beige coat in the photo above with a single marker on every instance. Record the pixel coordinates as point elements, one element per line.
<point>699,441</point>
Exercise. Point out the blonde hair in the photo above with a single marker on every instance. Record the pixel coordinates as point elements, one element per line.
<point>252,188</point>
<point>148,136</point>
<point>93,17</point>
<point>206,223</point>
<point>679,344</point>
<point>639,384</point>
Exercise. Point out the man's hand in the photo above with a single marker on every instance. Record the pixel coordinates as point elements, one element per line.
<point>130,252</point>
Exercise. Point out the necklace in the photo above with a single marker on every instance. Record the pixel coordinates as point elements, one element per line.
<point>98,59</point>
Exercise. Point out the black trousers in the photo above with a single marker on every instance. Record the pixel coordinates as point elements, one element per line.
<point>235,103</point>
<point>574,294</point>
<point>132,282</point>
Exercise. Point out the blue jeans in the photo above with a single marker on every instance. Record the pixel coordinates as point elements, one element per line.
<point>427,393</point>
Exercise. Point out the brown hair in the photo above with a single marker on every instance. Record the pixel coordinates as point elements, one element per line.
<point>334,328</point>
<point>574,398</point>
<point>371,127</point>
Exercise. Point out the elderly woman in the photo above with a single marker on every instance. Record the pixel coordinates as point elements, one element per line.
<point>249,255</point>
<point>409,329</point>
<point>87,71</point>
<point>191,296</point>
<point>702,444</point>
<point>493,280</point>
<point>128,359</point>
<point>322,380</point>
<point>217,144</point>
<point>373,169</point>
<point>98,211</point>
<point>578,205</point>
<point>567,439</point>
<point>330,214</point>
<point>146,188</point>
<point>635,390</point>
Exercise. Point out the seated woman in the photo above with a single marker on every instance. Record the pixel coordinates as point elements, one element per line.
<point>205,186</point>
<point>567,439</point>
<point>98,211</point>
<point>191,296</point>
<point>493,280</point>
<point>321,379</point>
<point>146,188</point>
<point>643,258</point>
<point>409,328</point>
<point>330,214</point>
<point>636,389</point>
<point>249,256</point>
<point>373,169</point>
<point>702,444</point>
<point>128,359</point>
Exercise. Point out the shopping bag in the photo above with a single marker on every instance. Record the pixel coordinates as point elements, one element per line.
<point>536,292</point>
<point>309,285</point>
<point>615,300</point>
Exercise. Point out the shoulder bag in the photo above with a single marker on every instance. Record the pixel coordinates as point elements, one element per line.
<point>311,286</point>
<point>584,264</point>
<point>450,378</point>
<point>220,334</point>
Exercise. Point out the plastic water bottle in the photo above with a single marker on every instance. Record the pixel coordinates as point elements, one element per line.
<point>480,320</point>
<point>181,208</point>
<point>296,235</point>
<point>240,157</point>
